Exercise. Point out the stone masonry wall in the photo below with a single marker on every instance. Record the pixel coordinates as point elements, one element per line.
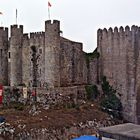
<point>25,60</point>
<point>119,51</point>
<point>93,71</point>
<point>60,62</point>
<point>3,55</point>
<point>73,64</point>
<point>37,40</point>
<point>16,55</point>
<point>52,53</point>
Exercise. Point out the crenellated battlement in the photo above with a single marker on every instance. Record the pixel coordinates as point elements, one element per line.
<point>124,30</point>
<point>52,22</point>
<point>37,38</point>
<point>52,26</point>
<point>4,29</point>
<point>16,30</point>
<point>4,32</point>
<point>15,26</point>
<point>25,36</point>
<point>37,35</point>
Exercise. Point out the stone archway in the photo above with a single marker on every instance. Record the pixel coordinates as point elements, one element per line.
<point>138,105</point>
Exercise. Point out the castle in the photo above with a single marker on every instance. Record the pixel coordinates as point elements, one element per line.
<point>47,58</point>
<point>41,58</point>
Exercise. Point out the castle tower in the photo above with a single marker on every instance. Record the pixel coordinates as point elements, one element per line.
<point>16,55</point>
<point>52,53</point>
<point>3,56</point>
<point>119,62</point>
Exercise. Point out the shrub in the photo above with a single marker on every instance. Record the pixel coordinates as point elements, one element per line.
<point>107,89</point>
<point>110,103</point>
<point>91,92</point>
<point>17,106</point>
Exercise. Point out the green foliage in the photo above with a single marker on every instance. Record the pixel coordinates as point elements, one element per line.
<point>23,85</point>
<point>4,83</point>
<point>107,89</point>
<point>110,103</point>
<point>16,93</point>
<point>91,92</point>
<point>72,106</point>
<point>6,96</point>
<point>17,106</point>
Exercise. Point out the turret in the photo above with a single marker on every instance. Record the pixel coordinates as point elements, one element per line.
<point>3,56</point>
<point>52,53</point>
<point>16,54</point>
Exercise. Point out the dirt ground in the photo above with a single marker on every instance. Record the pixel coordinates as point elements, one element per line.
<point>55,118</point>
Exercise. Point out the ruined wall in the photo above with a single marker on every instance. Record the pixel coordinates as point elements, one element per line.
<point>16,53</point>
<point>3,56</point>
<point>118,62</point>
<point>73,64</point>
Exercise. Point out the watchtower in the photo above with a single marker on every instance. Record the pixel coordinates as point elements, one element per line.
<point>16,54</point>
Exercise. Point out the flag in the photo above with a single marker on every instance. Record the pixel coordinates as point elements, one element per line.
<point>1,13</point>
<point>49,4</point>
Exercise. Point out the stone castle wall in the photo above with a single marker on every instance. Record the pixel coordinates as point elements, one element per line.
<point>92,71</point>
<point>59,61</point>
<point>73,64</point>
<point>37,40</point>
<point>3,55</point>
<point>119,57</point>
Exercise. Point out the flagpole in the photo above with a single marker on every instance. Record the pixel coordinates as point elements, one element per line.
<point>49,13</point>
<point>1,20</point>
<point>16,16</point>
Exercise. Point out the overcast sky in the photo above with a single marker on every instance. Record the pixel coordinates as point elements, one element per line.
<point>80,19</point>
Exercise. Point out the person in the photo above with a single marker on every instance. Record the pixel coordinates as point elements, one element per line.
<point>34,95</point>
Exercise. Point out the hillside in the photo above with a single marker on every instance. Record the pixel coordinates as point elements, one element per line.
<point>58,122</point>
